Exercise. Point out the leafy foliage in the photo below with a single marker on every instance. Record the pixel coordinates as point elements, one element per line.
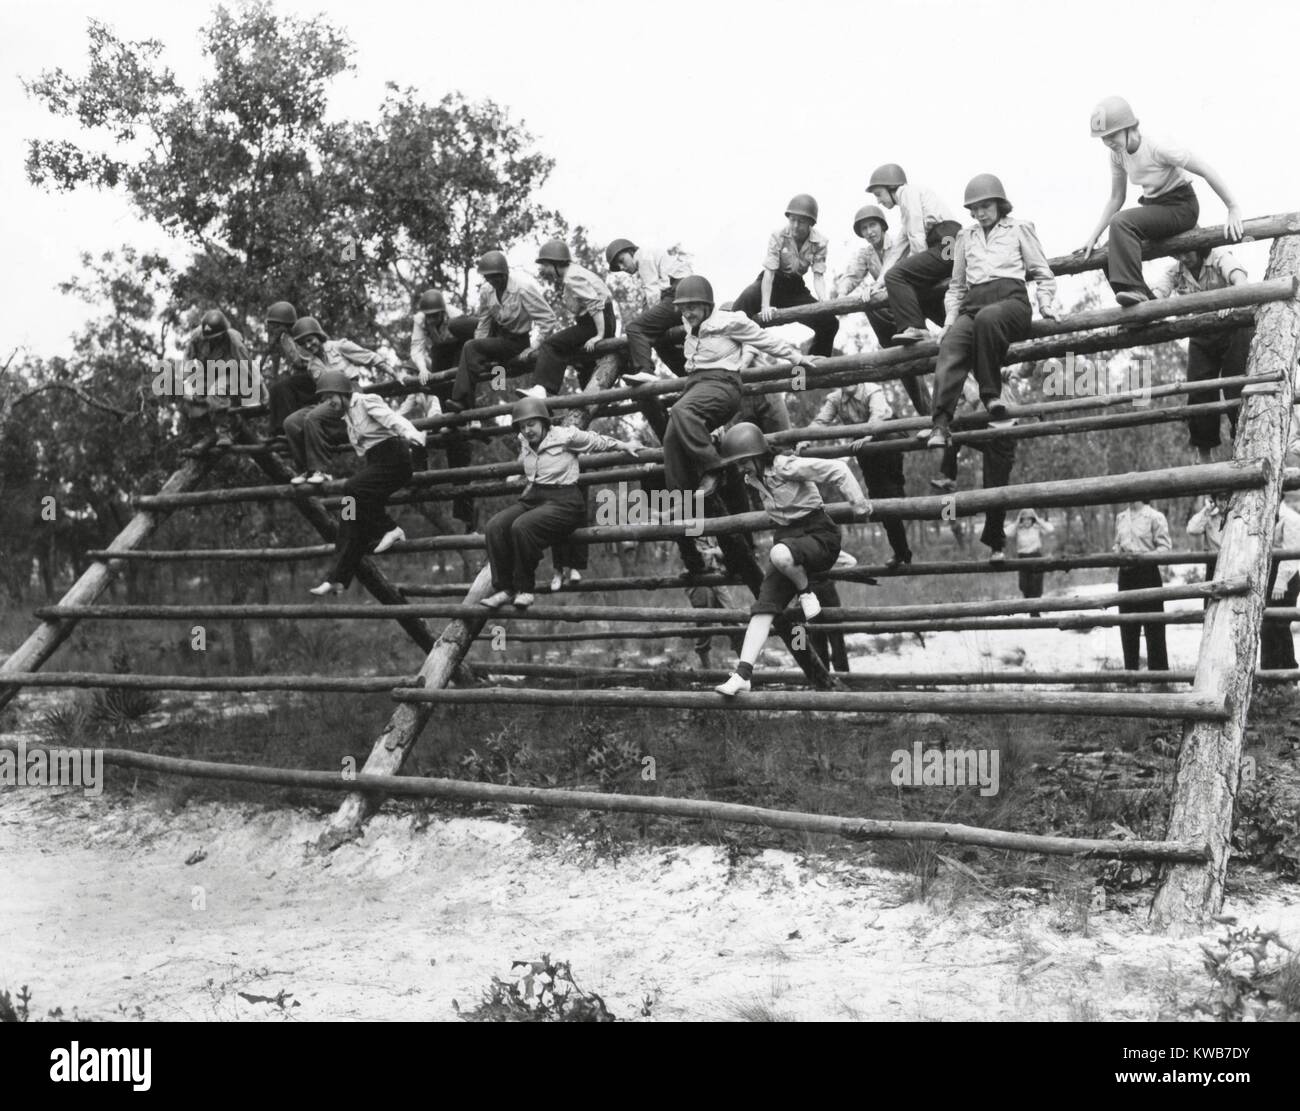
<point>538,992</point>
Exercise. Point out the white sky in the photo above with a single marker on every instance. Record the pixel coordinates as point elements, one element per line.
<point>696,121</point>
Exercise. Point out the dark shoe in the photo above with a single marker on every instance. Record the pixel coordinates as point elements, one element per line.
<point>912,335</point>
<point>997,408</point>
<point>894,562</point>
<point>453,407</point>
<point>1130,297</point>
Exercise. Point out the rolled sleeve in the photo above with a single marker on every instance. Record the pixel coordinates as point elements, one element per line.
<point>1036,268</point>
<point>538,310</point>
<point>772,259</point>
<point>820,250</point>
<point>956,295</point>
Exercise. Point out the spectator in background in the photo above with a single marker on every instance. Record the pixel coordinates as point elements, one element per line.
<point>1028,531</point>
<point>1276,644</point>
<point>1141,529</point>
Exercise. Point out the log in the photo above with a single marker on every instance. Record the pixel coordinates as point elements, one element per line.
<point>855,829</point>
<point>1089,704</point>
<point>404,727</point>
<point>1209,762</point>
<point>878,680</point>
<point>45,641</point>
<point>928,612</point>
<point>79,680</point>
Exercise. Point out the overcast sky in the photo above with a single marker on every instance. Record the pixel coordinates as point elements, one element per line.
<point>694,122</point>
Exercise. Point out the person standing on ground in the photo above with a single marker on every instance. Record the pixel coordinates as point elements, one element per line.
<point>1142,529</point>
<point>1028,531</point>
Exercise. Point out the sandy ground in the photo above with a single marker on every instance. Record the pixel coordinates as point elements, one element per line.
<point>101,912</point>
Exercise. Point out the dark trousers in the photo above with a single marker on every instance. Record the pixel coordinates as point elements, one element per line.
<point>712,598</point>
<point>385,469</point>
<point>1031,582</point>
<point>883,472</point>
<point>767,410</point>
<point>565,347</point>
<point>1216,355</point>
<point>1142,578</point>
<point>286,395</point>
<point>479,356</point>
<point>649,330</point>
<point>1276,644</point>
<point>948,464</point>
<point>568,553</point>
<point>789,290</point>
<point>999,457</point>
<point>994,315</point>
<point>884,325</point>
<point>710,399</point>
<point>315,436</point>
<point>913,280</point>
<point>1130,228</point>
<point>518,535</point>
<point>829,646</point>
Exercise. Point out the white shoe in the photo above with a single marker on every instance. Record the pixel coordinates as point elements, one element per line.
<point>641,377</point>
<point>557,582</point>
<point>733,686</point>
<point>809,604</point>
<point>319,478</point>
<point>391,537</point>
<point>326,588</point>
<point>523,600</point>
<point>998,556</point>
<point>538,392</point>
<point>500,598</point>
<point>574,577</point>
<point>298,479</point>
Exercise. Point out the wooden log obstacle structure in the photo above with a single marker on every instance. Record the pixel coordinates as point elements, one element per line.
<point>1212,702</point>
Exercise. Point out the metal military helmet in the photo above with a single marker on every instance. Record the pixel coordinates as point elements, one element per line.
<point>493,262</point>
<point>869,212</point>
<point>693,289</point>
<point>307,326</point>
<point>214,324</point>
<point>890,176</point>
<point>1112,114</point>
<point>984,187</point>
<point>556,251</point>
<point>802,204</point>
<point>431,300</point>
<point>743,441</point>
<point>616,248</point>
<point>529,408</point>
<point>282,313</point>
<point>333,381</point>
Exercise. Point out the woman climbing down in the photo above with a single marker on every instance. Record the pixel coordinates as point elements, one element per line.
<point>806,539</point>
<point>551,507</point>
<point>380,436</point>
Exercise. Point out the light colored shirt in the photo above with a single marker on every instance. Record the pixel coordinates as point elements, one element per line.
<point>790,257</point>
<point>583,293</point>
<point>868,263</point>
<point>788,488</point>
<point>1029,537</point>
<point>344,355</point>
<point>423,343</point>
<point>1207,523</point>
<point>1286,534</point>
<point>516,310</point>
<point>1010,249</point>
<point>656,271</point>
<point>919,210</point>
<point>371,421</point>
<point>1155,166</point>
<point>554,462</point>
<point>720,342</point>
<point>860,403</point>
<point>1216,273</point>
<point>1147,530</point>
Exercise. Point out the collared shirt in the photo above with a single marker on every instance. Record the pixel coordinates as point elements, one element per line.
<point>919,209</point>
<point>1207,523</point>
<point>1147,530</point>
<point>1216,273</point>
<point>1155,166</point>
<point>790,257</point>
<point>554,462</point>
<point>868,263</point>
<point>1010,249</point>
<point>1029,537</point>
<point>516,310</point>
<point>423,343</point>
<point>657,270</point>
<point>720,342</point>
<point>344,355</point>
<point>860,403</point>
<point>1286,534</point>
<point>583,293</point>
<point>788,488</point>
<point>370,421</point>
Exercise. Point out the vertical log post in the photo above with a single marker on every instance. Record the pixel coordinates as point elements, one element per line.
<point>409,719</point>
<point>1209,763</point>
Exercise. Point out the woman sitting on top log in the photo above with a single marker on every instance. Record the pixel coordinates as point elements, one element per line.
<point>551,507</point>
<point>380,436</point>
<point>806,539</point>
<point>1168,202</point>
<point>986,307</point>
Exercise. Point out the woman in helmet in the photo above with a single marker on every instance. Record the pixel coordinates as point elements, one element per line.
<point>551,507</point>
<point>1168,204</point>
<point>380,437</point>
<point>866,270</point>
<point>791,252</point>
<point>658,273</point>
<point>806,539</point>
<point>589,300</point>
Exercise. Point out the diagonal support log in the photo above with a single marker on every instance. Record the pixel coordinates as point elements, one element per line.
<point>1209,763</point>
<point>409,719</point>
<point>45,641</point>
